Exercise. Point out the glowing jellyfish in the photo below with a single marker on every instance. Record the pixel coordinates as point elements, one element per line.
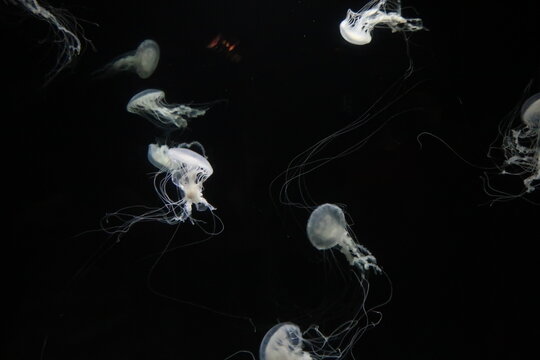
<point>283,342</point>
<point>521,145</point>
<point>142,61</point>
<point>358,26</point>
<point>187,171</point>
<point>65,29</point>
<point>151,105</point>
<point>179,184</point>
<point>327,229</point>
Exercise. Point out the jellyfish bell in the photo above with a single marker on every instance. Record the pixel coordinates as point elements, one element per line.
<point>530,111</point>
<point>360,36</point>
<point>327,228</point>
<point>357,27</point>
<point>283,342</point>
<point>151,104</point>
<point>158,156</point>
<point>143,61</point>
<point>147,58</point>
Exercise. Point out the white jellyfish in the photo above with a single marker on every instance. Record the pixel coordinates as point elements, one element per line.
<point>283,342</point>
<point>327,229</point>
<point>521,145</point>
<point>179,184</point>
<point>187,171</point>
<point>65,29</point>
<point>357,27</point>
<point>142,61</point>
<point>151,105</point>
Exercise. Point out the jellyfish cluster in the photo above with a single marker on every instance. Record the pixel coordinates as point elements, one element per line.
<point>182,168</point>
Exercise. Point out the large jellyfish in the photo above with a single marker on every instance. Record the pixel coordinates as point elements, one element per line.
<point>179,184</point>
<point>327,229</point>
<point>143,61</point>
<point>65,28</point>
<point>151,105</point>
<point>357,27</point>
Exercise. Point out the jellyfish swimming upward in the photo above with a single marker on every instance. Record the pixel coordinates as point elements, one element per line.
<point>151,105</point>
<point>521,145</point>
<point>143,61</point>
<point>357,27</point>
<point>327,229</point>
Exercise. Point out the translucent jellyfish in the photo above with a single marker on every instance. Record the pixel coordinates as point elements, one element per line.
<point>151,105</point>
<point>283,342</point>
<point>327,229</point>
<point>179,184</point>
<point>142,61</point>
<point>65,29</point>
<point>358,26</point>
<point>187,171</point>
<point>521,145</point>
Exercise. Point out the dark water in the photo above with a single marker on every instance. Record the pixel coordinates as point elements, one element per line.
<point>463,272</point>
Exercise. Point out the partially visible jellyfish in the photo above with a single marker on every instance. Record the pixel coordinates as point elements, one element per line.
<point>521,150</point>
<point>521,145</point>
<point>179,184</point>
<point>283,342</point>
<point>143,61</point>
<point>327,229</point>
<point>65,28</point>
<point>357,27</point>
<point>151,105</point>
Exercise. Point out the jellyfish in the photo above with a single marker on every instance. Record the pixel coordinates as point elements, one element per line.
<point>65,28</point>
<point>179,185</point>
<point>151,105</point>
<point>357,27</point>
<point>187,170</point>
<point>521,145</point>
<point>142,61</point>
<point>327,229</point>
<point>283,342</point>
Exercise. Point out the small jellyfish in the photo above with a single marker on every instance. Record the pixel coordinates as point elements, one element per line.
<point>142,61</point>
<point>65,29</point>
<point>151,105</point>
<point>187,170</point>
<point>358,26</point>
<point>283,342</point>
<point>327,229</point>
<point>521,145</point>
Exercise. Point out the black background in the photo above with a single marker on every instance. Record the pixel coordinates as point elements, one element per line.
<point>463,272</point>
